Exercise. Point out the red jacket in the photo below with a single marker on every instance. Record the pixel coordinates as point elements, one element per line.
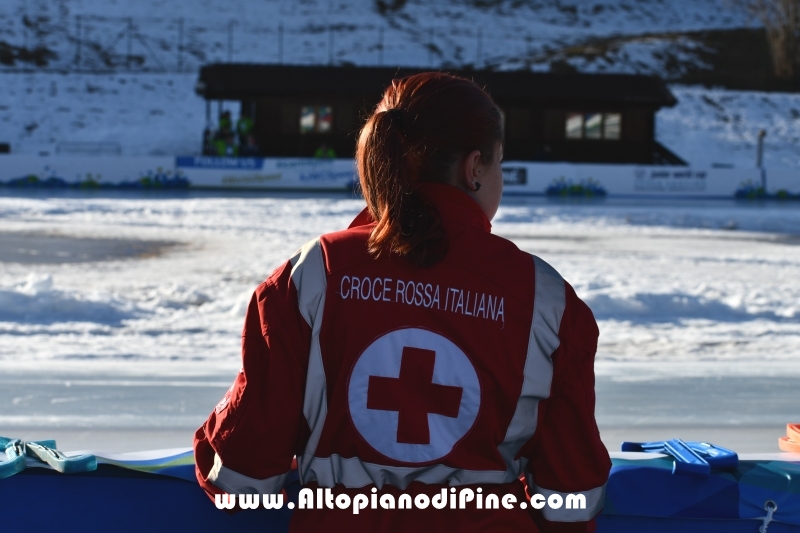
<point>476,372</point>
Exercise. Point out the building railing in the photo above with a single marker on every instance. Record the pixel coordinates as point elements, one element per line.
<point>90,43</point>
<point>88,148</point>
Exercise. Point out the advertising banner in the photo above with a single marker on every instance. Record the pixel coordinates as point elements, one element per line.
<point>783,182</point>
<point>567,179</point>
<point>89,172</point>
<point>267,173</point>
<point>519,177</point>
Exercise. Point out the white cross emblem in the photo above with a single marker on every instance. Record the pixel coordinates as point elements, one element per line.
<point>413,394</point>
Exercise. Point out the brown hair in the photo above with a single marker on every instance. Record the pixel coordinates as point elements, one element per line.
<point>421,128</point>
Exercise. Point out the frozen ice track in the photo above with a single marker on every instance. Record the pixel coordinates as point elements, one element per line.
<point>149,344</point>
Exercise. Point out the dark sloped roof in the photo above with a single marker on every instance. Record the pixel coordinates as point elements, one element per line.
<point>234,81</point>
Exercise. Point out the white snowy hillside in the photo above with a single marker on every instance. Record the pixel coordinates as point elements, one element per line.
<point>124,72</point>
<point>416,32</point>
<point>715,126</point>
<point>145,114</point>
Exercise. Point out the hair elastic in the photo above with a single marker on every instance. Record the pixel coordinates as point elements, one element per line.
<point>397,116</point>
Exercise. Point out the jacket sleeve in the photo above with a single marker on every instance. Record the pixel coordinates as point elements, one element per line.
<point>248,442</point>
<point>566,455</point>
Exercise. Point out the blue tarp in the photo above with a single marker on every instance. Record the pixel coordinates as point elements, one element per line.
<point>646,491</point>
<point>642,495</point>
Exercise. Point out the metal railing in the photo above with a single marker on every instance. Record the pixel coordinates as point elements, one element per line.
<point>88,148</point>
<point>90,43</point>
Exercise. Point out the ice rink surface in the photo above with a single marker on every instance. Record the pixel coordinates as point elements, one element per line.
<point>120,314</point>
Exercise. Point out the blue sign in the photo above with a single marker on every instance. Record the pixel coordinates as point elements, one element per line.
<point>223,163</point>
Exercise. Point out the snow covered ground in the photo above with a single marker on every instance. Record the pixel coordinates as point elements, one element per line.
<point>159,114</point>
<point>668,283</point>
<point>697,304</point>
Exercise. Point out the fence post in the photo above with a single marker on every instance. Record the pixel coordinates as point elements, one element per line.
<point>380,46</point>
<point>430,47</point>
<point>330,44</point>
<point>760,158</point>
<point>180,44</point>
<point>77,42</point>
<point>280,43</point>
<point>479,51</point>
<point>130,43</point>
<point>230,41</point>
<point>528,59</point>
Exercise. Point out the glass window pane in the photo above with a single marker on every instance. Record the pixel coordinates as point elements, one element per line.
<point>324,119</point>
<point>307,119</point>
<point>594,121</point>
<point>574,126</point>
<point>612,126</point>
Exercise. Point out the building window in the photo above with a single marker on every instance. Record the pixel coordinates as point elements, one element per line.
<point>593,123</point>
<point>307,119</point>
<point>612,126</point>
<point>316,119</point>
<point>574,126</point>
<point>594,126</point>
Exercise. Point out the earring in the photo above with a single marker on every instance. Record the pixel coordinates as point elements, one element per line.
<point>477,186</point>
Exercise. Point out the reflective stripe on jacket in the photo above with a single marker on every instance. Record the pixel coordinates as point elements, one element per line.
<point>477,371</point>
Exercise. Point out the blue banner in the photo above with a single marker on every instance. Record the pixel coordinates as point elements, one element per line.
<point>237,163</point>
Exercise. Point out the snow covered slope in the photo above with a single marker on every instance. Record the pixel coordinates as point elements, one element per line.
<point>151,113</point>
<point>145,114</point>
<point>711,126</point>
<point>417,32</point>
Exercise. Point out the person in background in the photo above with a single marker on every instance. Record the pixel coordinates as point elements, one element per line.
<point>250,147</point>
<point>223,142</point>
<point>208,142</point>
<point>244,127</point>
<point>415,353</point>
<point>231,148</point>
<point>325,152</point>
<point>225,123</point>
<point>225,145</point>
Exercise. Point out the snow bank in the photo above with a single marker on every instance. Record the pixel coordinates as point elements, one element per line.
<point>36,302</point>
<point>667,281</point>
<point>678,307</point>
<point>715,126</point>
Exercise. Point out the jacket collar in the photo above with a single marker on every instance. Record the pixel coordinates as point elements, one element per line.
<point>454,206</point>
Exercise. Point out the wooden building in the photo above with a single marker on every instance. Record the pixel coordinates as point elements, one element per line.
<point>599,118</point>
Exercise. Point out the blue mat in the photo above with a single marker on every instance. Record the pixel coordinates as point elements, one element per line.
<point>644,495</point>
<point>160,494</point>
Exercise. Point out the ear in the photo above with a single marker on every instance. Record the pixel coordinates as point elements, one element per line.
<point>470,170</point>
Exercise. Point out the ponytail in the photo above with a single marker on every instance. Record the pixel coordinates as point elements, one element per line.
<point>417,133</point>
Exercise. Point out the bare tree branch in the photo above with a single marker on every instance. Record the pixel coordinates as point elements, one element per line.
<point>781,20</point>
